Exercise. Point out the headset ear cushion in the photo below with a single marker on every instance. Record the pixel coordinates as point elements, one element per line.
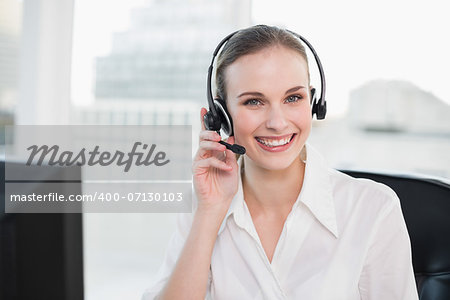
<point>317,108</point>
<point>211,123</point>
<point>321,110</point>
<point>226,123</point>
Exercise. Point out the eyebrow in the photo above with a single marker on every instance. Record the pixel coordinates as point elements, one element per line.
<point>295,88</point>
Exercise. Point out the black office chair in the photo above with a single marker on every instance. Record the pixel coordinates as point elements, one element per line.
<point>426,208</point>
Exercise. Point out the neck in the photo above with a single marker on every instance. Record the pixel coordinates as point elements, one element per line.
<point>272,191</point>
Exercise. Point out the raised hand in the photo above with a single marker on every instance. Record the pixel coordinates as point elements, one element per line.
<point>215,171</point>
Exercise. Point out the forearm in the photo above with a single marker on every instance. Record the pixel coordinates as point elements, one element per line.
<point>190,275</point>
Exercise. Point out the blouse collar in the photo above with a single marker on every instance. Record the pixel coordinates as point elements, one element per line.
<point>316,194</point>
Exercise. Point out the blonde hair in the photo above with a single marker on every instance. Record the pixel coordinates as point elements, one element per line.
<point>251,40</point>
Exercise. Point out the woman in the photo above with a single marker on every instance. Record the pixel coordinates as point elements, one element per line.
<point>278,223</point>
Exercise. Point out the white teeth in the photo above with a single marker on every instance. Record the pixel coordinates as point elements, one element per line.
<point>274,143</point>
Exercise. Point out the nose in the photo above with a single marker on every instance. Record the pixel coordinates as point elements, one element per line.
<point>276,119</point>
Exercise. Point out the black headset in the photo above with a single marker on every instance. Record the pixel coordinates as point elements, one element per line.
<point>218,117</point>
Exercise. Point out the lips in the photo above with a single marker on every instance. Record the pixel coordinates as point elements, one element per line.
<point>275,143</point>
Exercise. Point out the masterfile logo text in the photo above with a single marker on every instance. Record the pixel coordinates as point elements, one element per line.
<point>91,158</point>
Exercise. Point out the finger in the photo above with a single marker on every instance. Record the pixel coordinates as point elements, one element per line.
<point>211,162</point>
<point>208,148</point>
<point>211,145</point>
<point>209,135</point>
<point>230,156</point>
<point>203,112</point>
<point>230,139</point>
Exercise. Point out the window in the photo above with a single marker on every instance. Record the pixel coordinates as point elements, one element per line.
<point>134,62</point>
<point>10,34</point>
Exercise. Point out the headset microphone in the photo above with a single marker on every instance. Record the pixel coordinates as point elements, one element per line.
<point>238,149</point>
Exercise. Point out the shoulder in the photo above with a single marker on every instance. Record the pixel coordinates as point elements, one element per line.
<point>347,190</point>
<point>363,195</point>
<point>343,181</point>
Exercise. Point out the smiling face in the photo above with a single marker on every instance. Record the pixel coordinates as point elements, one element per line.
<point>268,99</point>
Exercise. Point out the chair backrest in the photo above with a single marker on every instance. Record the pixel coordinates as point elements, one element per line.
<point>426,209</point>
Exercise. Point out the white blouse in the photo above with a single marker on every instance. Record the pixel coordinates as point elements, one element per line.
<point>344,238</point>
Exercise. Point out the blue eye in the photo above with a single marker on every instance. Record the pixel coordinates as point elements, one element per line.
<point>252,102</point>
<point>294,98</point>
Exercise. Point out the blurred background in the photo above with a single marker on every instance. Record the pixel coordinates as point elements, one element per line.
<point>145,62</point>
